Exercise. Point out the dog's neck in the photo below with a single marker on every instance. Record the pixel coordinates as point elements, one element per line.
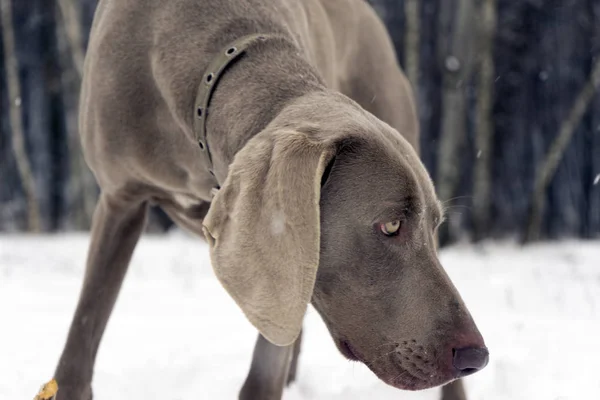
<point>251,93</point>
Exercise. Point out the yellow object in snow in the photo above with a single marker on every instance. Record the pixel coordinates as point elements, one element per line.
<point>48,391</point>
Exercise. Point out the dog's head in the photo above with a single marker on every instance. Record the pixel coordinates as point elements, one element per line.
<point>341,212</point>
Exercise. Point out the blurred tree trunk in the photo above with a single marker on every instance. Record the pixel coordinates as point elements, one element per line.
<point>484,130</point>
<point>15,116</point>
<point>555,153</point>
<point>81,188</point>
<point>455,48</point>
<point>70,13</point>
<point>412,45</point>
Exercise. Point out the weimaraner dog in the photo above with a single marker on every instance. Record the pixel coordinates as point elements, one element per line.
<point>285,133</point>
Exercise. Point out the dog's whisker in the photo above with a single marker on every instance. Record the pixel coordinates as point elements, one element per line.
<point>458,206</point>
<point>456,198</point>
<point>400,375</point>
<point>455,213</point>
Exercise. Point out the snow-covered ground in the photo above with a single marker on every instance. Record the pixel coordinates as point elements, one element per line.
<point>175,334</point>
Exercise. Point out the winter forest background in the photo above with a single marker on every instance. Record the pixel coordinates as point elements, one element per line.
<point>509,111</point>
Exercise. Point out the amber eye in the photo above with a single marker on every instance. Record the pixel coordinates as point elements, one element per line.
<point>391,228</point>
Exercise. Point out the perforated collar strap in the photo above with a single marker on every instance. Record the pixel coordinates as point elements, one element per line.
<point>215,70</point>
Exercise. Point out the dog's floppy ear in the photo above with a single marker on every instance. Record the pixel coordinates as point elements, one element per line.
<point>263,229</point>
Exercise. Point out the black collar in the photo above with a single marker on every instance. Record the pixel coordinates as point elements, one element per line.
<point>227,56</point>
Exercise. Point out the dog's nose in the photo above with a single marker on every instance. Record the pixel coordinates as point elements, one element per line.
<point>470,359</point>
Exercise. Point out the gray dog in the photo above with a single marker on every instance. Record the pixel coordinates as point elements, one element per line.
<point>285,133</point>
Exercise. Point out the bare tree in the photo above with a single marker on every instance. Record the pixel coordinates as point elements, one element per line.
<point>412,41</point>
<point>484,123</point>
<point>546,172</point>
<point>455,41</point>
<point>82,190</point>
<point>454,52</point>
<point>70,13</point>
<point>16,122</point>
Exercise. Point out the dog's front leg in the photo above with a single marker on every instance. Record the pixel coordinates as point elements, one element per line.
<point>269,371</point>
<point>116,228</point>
<point>294,363</point>
<point>454,391</point>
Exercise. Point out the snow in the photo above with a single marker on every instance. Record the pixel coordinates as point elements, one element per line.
<point>175,334</point>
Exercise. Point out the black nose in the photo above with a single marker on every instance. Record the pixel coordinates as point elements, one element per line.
<point>470,359</point>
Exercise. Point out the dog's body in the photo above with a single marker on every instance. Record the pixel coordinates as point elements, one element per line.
<point>270,111</point>
<point>151,55</point>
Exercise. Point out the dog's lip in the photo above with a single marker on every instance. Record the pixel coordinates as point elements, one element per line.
<point>348,351</point>
<point>412,383</point>
<point>403,380</point>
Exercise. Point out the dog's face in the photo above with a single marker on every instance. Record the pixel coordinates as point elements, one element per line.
<point>332,206</point>
<point>380,288</point>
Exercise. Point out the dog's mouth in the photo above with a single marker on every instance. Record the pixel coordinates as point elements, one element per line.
<point>410,378</point>
<point>407,381</point>
<point>348,351</point>
<point>391,369</point>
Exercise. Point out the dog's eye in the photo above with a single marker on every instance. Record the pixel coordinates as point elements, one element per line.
<point>391,228</point>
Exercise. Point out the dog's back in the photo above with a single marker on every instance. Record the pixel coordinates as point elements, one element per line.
<point>145,61</point>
